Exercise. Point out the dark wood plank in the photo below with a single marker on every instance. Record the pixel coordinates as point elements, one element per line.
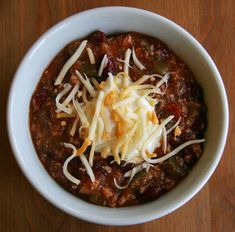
<point>23,21</point>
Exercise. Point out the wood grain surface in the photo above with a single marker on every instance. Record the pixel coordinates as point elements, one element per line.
<point>23,21</point>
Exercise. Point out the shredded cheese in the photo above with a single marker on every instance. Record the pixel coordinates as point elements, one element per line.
<point>105,152</point>
<point>96,115</point>
<point>142,79</point>
<point>129,181</point>
<point>85,81</point>
<point>163,80</point>
<point>105,119</point>
<point>117,118</point>
<point>124,62</point>
<point>74,126</point>
<point>84,146</point>
<point>65,165</point>
<point>84,162</point>
<point>127,61</point>
<point>71,95</point>
<point>95,82</point>
<point>174,126</point>
<point>80,113</point>
<point>136,61</point>
<point>84,95</point>
<point>174,152</point>
<point>164,138</point>
<point>61,107</point>
<point>91,55</point>
<point>177,131</point>
<point>100,129</point>
<point>128,162</point>
<point>139,168</point>
<point>70,62</point>
<point>103,64</point>
<point>97,138</point>
<point>123,102</point>
<point>154,136</point>
<point>87,167</point>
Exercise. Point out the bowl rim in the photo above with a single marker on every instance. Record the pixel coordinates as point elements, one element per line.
<point>197,186</point>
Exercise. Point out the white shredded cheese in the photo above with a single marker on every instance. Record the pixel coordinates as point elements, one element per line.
<point>74,126</point>
<point>92,152</point>
<point>105,119</point>
<point>91,55</point>
<point>136,61</point>
<point>174,152</point>
<point>124,62</point>
<point>81,113</point>
<point>59,106</point>
<point>85,81</point>
<point>127,60</point>
<point>164,137</point>
<point>95,117</point>
<point>128,162</point>
<point>142,79</point>
<point>156,131</point>
<point>174,126</point>
<point>139,168</point>
<point>104,144</point>
<point>103,64</point>
<point>124,102</point>
<point>65,165</point>
<point>70,62</point>
<point>163,80</point>
<point>71,95</point>
<point>111,81</point>
<point>96,140</point>
<point>129,181</point>
<point>87,167</point>
<point>95,82</point>
<point>84,95</point>
<point>100,129</point>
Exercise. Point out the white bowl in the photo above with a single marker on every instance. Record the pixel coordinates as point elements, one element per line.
<point>113,20</point>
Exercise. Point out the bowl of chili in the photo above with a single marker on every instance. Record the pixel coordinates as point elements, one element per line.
<point>25,136</point>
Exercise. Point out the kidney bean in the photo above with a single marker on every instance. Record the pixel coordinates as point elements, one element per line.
<point>98,37</point>
<point>152,192</point>
<point>112,66</point>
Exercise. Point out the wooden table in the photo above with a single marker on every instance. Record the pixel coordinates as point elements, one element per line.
<point>211,22</point>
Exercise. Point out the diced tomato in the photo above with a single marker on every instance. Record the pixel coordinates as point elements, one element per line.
<point>175,109</point>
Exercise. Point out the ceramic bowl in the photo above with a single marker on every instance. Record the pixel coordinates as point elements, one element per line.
<point>116,20</point>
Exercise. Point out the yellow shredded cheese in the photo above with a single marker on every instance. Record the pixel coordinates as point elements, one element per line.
<point>177,131</point>
<point>84,146</point>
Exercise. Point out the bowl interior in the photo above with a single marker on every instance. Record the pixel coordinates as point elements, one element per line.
<point>117,20</point>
